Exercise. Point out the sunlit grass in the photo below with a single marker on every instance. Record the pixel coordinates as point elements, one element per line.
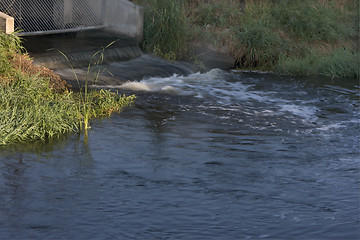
<point>31,109</point>
<point>165,28</point>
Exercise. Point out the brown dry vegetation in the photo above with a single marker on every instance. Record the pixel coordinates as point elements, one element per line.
<point>24,64</point>
<point>16,66</point>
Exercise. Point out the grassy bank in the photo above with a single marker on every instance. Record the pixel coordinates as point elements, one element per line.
<point>320,36</point>
<point>35,104</point>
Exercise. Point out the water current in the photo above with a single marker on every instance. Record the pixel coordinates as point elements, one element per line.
<point>215,155</point>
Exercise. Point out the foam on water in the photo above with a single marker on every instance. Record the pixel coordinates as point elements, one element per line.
<point>212,85</point>
<point>229,92</point>
<point>306,112</point>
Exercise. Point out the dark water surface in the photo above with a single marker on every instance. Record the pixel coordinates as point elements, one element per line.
<point>219,155</point>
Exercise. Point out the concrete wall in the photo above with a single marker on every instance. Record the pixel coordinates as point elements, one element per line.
<point>119,16</point>
<point>6,23</point>
<point>97,7</point>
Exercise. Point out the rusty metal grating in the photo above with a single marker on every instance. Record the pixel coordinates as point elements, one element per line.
<point>50,16</point>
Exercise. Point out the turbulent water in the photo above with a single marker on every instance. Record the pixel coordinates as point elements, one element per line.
<point>218,155</point>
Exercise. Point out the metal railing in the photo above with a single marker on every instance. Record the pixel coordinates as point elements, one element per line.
<point>50,16</point>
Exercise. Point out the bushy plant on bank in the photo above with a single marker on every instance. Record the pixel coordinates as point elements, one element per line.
<point>265,35</point>
<point>165,28</point>
<point>36,105</point>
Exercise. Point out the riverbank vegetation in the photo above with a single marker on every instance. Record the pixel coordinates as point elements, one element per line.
<point>35,104</point>
<point>295,37</point>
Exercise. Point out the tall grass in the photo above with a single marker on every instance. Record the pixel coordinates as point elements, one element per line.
<point>261,34</point>
<point>256,41</point>
<point>211,21</point>
<point>30,109</point>
<point>271,31</point>
<point>166,28</point>
<point>214,14</point>
<point>309,20</point>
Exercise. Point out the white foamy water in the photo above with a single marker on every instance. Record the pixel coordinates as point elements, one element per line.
<point>176,84</point>
<point>306,112</point>
<point>214,86</point>
<point>252,95</point>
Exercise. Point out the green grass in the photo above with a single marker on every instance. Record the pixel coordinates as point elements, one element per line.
<point>270,32</point>
<point>32,110</point>
<point>166,28</point>
<point>260,34</point>
<point>256,44</point>
<point>340,63</point>
<point>9,45</point>
<point>220,14</point>
<point>309,20</point>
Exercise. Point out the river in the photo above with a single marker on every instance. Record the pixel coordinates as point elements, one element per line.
<point>214,155</point>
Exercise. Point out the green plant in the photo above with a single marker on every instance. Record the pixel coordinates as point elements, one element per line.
<point>165,27</point>
<point>256,42</point>
<point>92,102</point>
<point>30,109</point>
<point>259,34</point>
<point>9,46</point>
<point>340,63</point>
<point>309,20</point>
<point>215,14</point>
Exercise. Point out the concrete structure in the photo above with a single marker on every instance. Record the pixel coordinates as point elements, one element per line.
<point>119,16</point>
<point>6,23</point>
<point>36,18</point>
<point>124,17</point>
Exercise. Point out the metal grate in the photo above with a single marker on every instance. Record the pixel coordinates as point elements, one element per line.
<point>50,16</point>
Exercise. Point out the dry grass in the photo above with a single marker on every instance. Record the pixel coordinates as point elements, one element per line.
<point>24,64</point>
